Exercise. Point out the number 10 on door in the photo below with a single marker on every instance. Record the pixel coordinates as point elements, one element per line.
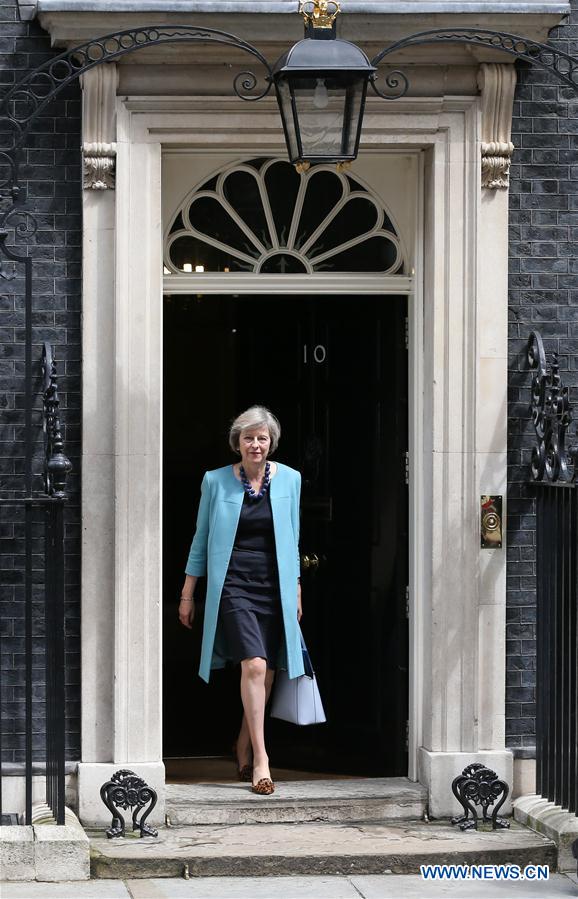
<point>318,355</point>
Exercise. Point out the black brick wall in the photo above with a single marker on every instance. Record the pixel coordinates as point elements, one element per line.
<point>543,296</point>
<point>51,178</point>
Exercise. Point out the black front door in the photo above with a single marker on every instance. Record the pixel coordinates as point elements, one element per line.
<point>334,370</point>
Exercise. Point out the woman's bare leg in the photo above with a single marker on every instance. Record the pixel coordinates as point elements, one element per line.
<point>243,744</point>
<point>269,678</point>
<point>253,694</point>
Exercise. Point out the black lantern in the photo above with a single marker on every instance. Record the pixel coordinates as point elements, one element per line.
<point>321,84</point>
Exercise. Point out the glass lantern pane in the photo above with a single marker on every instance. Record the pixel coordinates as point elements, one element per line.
<point>354,102</point>
<point>328,116</point>
<point>286,109</point>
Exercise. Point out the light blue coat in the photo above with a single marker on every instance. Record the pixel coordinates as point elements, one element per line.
<point>219,512</point>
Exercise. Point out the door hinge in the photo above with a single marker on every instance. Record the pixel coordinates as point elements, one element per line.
<point>407,602</point>
<point>407,735</point>
<point>406,332</point>
<point>406,464</point>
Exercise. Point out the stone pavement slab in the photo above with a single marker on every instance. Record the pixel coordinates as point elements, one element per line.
<point>83,889</point>
<point>384,886</point>
<point>245,888</point>
<point>412,886</point>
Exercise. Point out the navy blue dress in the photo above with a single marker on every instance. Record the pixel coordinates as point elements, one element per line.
<point>250,614</point>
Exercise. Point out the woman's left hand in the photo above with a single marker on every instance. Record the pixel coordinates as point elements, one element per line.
<point>299,608</point>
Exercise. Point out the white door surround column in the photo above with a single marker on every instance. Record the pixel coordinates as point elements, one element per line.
<point>457,436</point>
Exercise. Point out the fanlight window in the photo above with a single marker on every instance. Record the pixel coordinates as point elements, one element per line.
<point>262,216</point>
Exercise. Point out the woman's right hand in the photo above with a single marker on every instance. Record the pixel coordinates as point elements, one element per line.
<point>186,611</point>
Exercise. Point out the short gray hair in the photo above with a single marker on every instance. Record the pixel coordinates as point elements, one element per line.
<point>255,417</point>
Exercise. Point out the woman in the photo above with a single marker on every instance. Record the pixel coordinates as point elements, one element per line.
<point>247,542</point>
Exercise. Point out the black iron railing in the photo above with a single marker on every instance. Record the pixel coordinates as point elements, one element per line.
<point>556,682</point>
<point>556,584</point>
<point>43,519</point>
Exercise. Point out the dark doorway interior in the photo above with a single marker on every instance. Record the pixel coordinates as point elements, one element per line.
<point>334,370</point>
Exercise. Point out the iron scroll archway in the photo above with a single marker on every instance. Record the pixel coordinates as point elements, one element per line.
<point>543,56</point>
<point>24,102</point>
<point>19,109</point>
<point>27,99</point>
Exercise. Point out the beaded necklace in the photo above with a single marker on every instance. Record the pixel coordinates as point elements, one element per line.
<point>247,484</point>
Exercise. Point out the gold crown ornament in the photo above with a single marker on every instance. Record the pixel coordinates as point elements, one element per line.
<point>319,13</point>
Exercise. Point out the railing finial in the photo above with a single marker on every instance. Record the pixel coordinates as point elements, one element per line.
<point>551,416</point>
<point>56,464</point>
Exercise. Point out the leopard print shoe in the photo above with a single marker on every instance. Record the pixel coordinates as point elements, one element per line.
<point>264,787</point>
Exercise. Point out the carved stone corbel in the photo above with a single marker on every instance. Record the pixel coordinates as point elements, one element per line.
<point>497,83</point>
<point>99,126</point>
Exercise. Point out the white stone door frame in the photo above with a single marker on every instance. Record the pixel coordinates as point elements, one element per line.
<point>458,332</point>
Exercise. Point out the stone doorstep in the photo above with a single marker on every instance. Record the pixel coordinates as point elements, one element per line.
<point>376,799</point>
<point>556,823</point>
<point>399,847</point>
<point>45,852</point>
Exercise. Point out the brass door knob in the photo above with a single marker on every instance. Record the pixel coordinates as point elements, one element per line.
<point>311,561</point>
<point>491,522</point>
